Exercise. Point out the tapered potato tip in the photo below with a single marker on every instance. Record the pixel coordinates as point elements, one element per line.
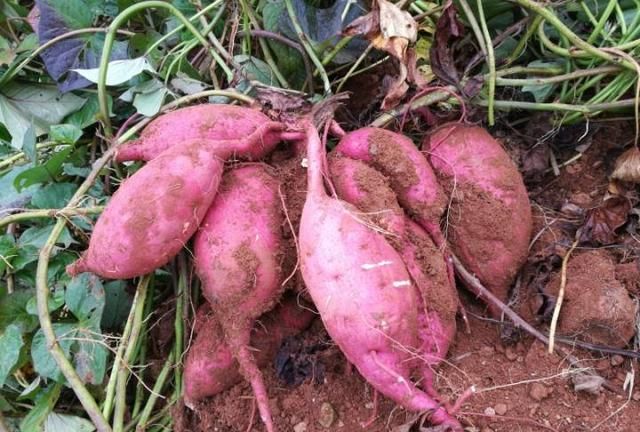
<point>80,266</point>
<point>628,166</point>
<point>129,151</point>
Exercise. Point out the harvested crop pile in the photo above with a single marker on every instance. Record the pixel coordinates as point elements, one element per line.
<point>372,259</point>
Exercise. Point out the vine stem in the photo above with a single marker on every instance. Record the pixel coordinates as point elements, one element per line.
<point>429,99</point>
<point>42,288</point>
<point>129,356</point>
<point>42,295</point>
<point>571,36</point>
<point>491,60</point>
<point>111,385</point>
<point>47,213</point>
<point>305,43</point>
<point>558,78</point>
<point>552,106</point>
<point>108,45</point>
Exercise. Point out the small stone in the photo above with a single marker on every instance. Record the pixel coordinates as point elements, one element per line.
<point>294,419</point>
<point>489,411</point>
<point>486,351</point>
<point>327,415</point>
<point>510,353</point>
<point>486,429</point>
<point>368,405</point>
<point>636,396</point>
<point>300,427</point>
<point>501,409</point>
<point>539,392</point>
<point>617,360</point>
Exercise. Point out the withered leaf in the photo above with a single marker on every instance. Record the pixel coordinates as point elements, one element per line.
<point>602,222</point>
<point>448,30</point>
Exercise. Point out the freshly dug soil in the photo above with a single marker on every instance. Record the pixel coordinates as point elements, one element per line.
<point>597,308</point>
<point>521,387</point>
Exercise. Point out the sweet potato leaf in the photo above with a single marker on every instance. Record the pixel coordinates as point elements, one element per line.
<point>81,52</point>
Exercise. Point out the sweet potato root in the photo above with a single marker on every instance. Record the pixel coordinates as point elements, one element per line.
<point>153,213</point>
<point>210,122</point>
<point>210,367</point>
<point>238,255</point>
<point>362,290</point>
<point>411,177</point>
<point>368,190</point>
<point>490,220</point>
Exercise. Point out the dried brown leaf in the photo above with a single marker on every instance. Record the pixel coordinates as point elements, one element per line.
<point>602,222</point>
<point>628,166</point>
<point>448,30</point>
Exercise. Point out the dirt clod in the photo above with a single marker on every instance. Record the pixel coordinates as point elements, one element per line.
<point>501,409</point>
<point>597,307</point>
<point>617,360</point>
<point>300,427</point>
<point>539,392</point>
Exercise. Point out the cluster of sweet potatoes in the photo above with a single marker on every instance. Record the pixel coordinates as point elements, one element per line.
<point>375,222</point>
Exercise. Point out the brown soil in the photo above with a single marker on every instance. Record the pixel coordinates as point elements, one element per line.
<point>597,307</point>
<point>520,386</point>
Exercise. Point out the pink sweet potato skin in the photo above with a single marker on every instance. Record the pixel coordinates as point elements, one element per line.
<point>363,292</point>
<point>213,122</point>
<point>490,219</point>
<point>238,248</point>
<point>411,177</point>
<point>210,367</point>
<point>367,189</point>
<point>153,213</point>
<point>238,254</point>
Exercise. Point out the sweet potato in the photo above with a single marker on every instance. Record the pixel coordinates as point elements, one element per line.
<point>367,189</point>
<point>210,367</point>
<point>238,255</point>
<point>490,219</point>
<point>411,177</point>
<point>362,290</point>
<point>153,213</point>
<point>213,122</point>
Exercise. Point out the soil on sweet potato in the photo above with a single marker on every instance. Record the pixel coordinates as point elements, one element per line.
<point>520,387</point>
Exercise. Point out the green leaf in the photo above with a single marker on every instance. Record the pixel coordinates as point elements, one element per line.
<point>29,43</point>
<point>10,344</point>
<point>119,71</point>
<point>38,414</point>
<point>29,145</point>
<point>65,133</point>
<point>253,68</point>
<point>55,302</point>
<point>24,104</point>
<point>37,237</point>
<point>66,423</point>
<point>149,103</point>
<point>8,251</point>
<point>53,196</point>
<point>85,297</point>
<point>45,172</point>
<point>90,355</point>
<point>11,197</point>
<point>42,360</point>
<point>541,92</point>
<point>7,53</point>
<point>117,305</point>
<point>87,115</point>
